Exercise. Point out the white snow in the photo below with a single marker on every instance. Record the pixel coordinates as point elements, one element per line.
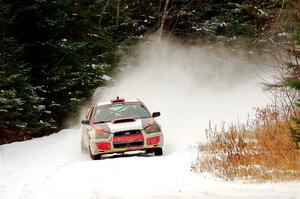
<point>282,34</point>
<point>106,77</point>
<point>100,66</point>
<point>54,167</point>
<point>93,35</point>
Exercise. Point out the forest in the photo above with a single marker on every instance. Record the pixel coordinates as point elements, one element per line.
<point>54,54</point>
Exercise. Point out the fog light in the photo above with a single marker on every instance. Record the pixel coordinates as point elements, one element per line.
<point>103,145</point>
<point>153,140</point>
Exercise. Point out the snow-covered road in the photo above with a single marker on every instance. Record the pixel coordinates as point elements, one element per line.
<point>54,167</point>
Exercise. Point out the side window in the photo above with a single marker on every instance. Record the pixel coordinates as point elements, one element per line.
<point>89,113</point>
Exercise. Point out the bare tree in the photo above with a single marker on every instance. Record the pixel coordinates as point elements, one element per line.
<point>118,12</point>
<point>103,10</point>
<point>286,63</point>
<point>163,19</point>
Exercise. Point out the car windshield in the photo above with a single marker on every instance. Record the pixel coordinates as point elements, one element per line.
<point>119,110</point>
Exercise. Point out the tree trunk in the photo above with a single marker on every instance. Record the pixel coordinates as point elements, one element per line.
<point>163,19</point>
<point>118,12</point>
<point>104,8</point>
<point>159,7</point>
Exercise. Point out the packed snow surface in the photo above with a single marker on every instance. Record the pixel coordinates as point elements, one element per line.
<point>54,167</point>
<point>190,86</point>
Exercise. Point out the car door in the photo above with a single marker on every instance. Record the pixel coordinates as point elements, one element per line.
<point>87,128</point>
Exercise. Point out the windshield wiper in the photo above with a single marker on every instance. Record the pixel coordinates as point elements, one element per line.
<point>99,122</point>
<point>143,117</point>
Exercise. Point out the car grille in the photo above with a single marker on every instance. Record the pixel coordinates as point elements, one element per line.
<point>128,145</point>
<point>127,139</point>
<point>126,133</point>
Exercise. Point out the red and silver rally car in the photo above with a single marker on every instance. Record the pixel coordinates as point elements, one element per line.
<point>119,126</point>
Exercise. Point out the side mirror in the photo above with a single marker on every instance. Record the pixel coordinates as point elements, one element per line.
<point>85,122</point>
<point>155,114</point>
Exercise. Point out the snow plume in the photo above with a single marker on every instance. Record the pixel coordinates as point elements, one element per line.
<point>189,85</point>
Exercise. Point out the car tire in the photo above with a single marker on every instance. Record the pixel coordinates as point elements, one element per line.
<point>149,151</point>
<point>94,157</point>
<point>158,151</point>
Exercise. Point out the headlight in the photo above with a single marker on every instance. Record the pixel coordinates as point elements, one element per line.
<point>152,129</point>
<point>101,135</point>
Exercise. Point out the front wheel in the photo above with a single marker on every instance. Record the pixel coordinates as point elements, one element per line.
<point>149,151</point>
<point>158,151</point>
<point>94,157</point>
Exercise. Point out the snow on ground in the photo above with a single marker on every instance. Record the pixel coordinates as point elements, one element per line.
<point>54,167</point>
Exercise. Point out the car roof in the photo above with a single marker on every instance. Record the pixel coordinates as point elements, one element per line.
<point>110,102</point>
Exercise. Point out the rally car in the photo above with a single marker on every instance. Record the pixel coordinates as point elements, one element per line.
<point>119,126</point>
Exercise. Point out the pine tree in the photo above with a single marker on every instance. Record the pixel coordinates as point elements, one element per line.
<point>293,81</point>
<point>52,59</point>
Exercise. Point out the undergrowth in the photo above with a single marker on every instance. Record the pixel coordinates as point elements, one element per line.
<point>260,150</point>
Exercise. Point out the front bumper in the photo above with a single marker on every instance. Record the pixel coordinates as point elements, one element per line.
<point>129,145</point>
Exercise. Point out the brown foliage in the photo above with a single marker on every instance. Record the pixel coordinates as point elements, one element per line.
<point>7,136</point>
<point>260,151</point>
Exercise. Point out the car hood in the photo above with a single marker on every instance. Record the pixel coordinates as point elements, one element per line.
<point>125,126</point>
